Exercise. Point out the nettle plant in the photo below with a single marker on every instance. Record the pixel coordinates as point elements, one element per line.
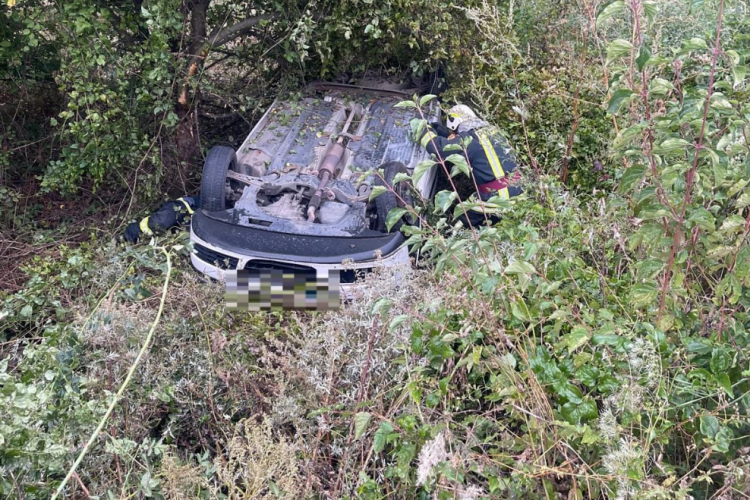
<point>600,350</point>
<point>686,178</point>
<point>686,171</point>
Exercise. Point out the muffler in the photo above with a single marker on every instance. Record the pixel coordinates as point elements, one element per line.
<point>325,173</point>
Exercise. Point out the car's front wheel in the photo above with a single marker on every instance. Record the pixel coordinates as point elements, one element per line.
<point>219,161</point>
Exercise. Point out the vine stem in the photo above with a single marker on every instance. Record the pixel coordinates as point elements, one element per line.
<point>125,382</point>
<point>691,173</point>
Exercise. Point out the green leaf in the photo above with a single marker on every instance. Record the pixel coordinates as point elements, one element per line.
<point>625,136</point>
<point>737,187</point>
<point>732,224</point>
<point>723,440</point>
<point>397,321</point>
<point>721,361</point>
<point>609,11</point>
<point>361,421</point>
<point>703,219</point>
<point>718,252</point>
<point>694,44</point>
<point>400,176</point>
<point>660,86</point>
<point>671,145</point>
<point>406,104</point>
<point>618,99</point>
<point>381,437</point>
<point>377,191</point>
<point>650,9</point>
<point>733,56</point>
<point>709,426</point>
<point>725,384</point>
<point>718,101</point>
<point>695,5</point>
<point>649,268</point>
<point>578,337</point>
<point>426,98</point>
<point>275,489</point>
<point>643,57</point>
<point>631,176</point>
<point>26,311</point>
<point>421,169</point>
<point>417,128</point>
<point>742,201</point>
<point>584,411</point>
<point>589,437</point>
<point>148,483</point>
<point>519,311</point>
<point>394,216</point>
<point>443,200</point>
<point>738,73</point>
<point>382,306</point>
<point>459,161</point>
<point>520,267</point>
<point>643,295</point>
<point>618,48</point>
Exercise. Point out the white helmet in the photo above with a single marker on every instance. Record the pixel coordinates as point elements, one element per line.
<point>459,114</point>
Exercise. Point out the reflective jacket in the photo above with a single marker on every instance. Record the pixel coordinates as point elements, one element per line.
<point>490,157</point>
<point>170,214</point>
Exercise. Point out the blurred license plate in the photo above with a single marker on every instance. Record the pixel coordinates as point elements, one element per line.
<point>275,289</point>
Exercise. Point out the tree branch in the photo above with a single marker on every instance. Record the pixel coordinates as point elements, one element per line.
<point>226,35</point>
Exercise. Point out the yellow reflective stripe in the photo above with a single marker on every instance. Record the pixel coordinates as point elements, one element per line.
<point>187,206</point>
<point>427,137</point>
<point>144,227</point>
<point>497,168</point>
<point>489,150</point>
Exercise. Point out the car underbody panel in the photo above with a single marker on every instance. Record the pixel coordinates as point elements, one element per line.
<point>299,190</point>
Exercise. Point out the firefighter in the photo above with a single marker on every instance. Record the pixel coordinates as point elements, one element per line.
<point>171,214</point>
<point>491,159</point>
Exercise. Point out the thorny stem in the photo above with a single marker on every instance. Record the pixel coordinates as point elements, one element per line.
<point>361,396</point>
<point>691,173</point>
<point>636,7</point>
<point>80,483</point>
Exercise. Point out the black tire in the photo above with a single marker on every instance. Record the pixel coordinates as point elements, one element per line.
<point>388,200</point>
<point>219,160</point>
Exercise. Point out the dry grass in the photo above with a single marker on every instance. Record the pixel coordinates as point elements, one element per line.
<point>258,464</point>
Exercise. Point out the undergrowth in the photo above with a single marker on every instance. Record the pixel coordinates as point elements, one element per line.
<point>592,344</point>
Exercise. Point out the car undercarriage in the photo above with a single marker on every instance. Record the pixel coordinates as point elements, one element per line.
<point>305,173</point>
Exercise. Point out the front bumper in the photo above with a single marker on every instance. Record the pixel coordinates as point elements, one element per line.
<point>220,246</point>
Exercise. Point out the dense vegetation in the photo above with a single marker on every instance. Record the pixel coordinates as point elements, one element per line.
<point>593,344</point>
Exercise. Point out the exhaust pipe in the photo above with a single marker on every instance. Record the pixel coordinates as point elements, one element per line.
<point>325,173</point>
<point>327,169</point>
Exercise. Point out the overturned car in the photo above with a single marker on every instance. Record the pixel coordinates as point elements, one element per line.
<point>296,195</point>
